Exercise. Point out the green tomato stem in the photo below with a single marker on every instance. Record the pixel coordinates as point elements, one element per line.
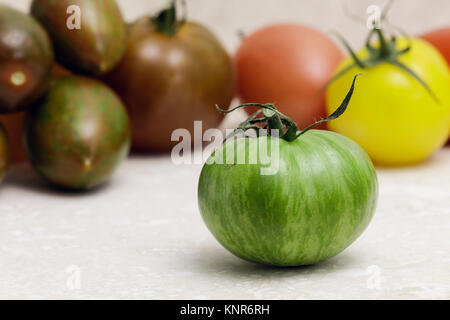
<point>271,119</point>
<point>166,20</point>
<point>274,121</point>
<point>385,52</point>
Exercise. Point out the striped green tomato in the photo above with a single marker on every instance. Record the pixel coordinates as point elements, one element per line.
<point>317,200</point>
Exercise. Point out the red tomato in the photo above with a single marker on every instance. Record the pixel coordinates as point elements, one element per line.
<point>288,65</point>
<point>441,40</point>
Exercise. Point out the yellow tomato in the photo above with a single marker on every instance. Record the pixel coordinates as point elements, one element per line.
<point>391,115</point>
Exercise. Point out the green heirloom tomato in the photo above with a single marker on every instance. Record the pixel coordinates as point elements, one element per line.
<point>319,198</point>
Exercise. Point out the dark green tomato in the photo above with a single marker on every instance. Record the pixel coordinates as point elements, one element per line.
<point>26,60</point>
<point>76,137</point>
<point>4,153</point>
<point>305,207</point>
<point>169,81</point>
<point>93,49</point>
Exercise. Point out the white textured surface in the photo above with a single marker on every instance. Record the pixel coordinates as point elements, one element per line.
<point>142,236</point>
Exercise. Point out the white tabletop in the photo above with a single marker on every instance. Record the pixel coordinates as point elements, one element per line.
<point>141,236</point>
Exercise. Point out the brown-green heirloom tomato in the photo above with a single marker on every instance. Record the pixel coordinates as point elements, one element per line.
<point>77,136</point>
<point>4,153</point>
<point>173,74</point>
<point>26,60</point>
<point>97,45</point>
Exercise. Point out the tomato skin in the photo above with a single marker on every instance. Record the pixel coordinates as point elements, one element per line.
<point>316,204</point>
<point>14,124</point>
<point>168,82</point>
<point>391,115</point>
<point>288,65</point>
<point>59,71</point>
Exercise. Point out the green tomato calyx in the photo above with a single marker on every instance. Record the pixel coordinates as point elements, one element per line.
<point>268,119</point>
<point>385,51</point>
<point>166,21</point>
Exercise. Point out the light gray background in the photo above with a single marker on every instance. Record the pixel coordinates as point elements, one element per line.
<point>226,17</point>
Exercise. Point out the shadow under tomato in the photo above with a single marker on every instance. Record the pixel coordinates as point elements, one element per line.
<point>23,177</point>
<point>221,262</point>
